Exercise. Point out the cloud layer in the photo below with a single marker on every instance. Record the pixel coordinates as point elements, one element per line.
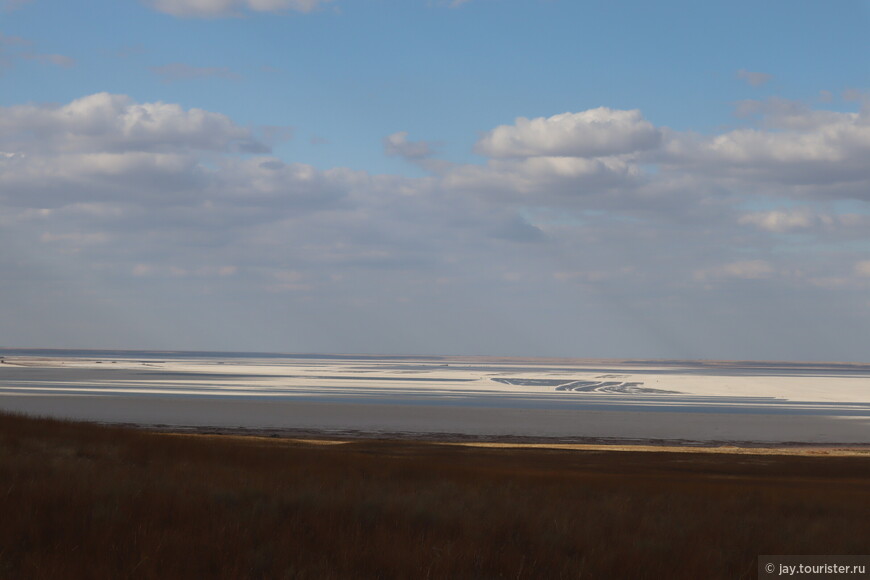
<point>605,215</point>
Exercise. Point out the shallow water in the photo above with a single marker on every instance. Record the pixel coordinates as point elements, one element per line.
<point>813,402</point>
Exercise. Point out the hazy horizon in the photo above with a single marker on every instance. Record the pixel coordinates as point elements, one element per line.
<point>722,364</point>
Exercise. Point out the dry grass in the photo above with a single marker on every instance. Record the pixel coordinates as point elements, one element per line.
<point>84,501</point>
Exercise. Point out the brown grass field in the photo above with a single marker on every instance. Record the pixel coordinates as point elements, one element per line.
<point>80,500</point>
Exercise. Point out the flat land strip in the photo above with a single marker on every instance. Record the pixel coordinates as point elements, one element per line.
<point>88,501</point>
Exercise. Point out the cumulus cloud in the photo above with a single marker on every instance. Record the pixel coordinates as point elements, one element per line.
<point>592,133</point>
<point>104,122</point>
<point>756,79</point>
<point>178,71</point>
<point>222,8</point>
<point>816,149</point>
<point>106,147</point>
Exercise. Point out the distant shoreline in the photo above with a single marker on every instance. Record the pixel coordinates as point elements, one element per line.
<point>642,361</point>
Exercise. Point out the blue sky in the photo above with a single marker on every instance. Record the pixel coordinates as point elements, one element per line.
<point>350,71</point>
<point>540,177</point>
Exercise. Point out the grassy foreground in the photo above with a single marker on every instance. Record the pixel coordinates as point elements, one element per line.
<point>86,501</point>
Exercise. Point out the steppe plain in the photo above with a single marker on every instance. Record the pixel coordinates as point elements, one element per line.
<point>424,467</point>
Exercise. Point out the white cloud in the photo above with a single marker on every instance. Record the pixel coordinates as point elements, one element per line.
<point>817,149</point>
<point>269,182</point>
<point>108,147</point>
<point>592,133</point>
<point>221,8</point>
<point>543,179</point>
<point>105,122</point>
<point>72,178</point>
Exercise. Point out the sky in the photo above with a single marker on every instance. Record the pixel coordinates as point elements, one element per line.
<point>680,180</point>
